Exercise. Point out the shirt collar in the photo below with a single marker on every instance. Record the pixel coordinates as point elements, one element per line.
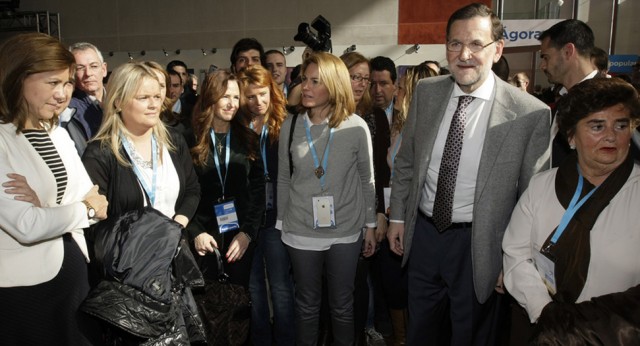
<point>484,92</point>
<point>389,109</point>
<point>591,75</point>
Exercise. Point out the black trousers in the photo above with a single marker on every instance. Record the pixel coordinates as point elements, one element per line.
<point>443,308</point>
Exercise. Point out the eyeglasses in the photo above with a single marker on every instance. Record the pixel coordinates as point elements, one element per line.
<point>359,79</point>
<point>474,47</point>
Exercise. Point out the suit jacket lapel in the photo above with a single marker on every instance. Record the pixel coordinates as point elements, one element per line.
<point>427,133</point>
<point>498,131</point>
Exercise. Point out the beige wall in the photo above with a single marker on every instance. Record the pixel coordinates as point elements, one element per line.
<point>122,25</point>
<point>191,25</point>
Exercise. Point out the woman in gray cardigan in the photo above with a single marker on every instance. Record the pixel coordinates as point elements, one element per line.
<point>326,197</point>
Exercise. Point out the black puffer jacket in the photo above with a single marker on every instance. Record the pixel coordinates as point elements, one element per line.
<point>147,275</point>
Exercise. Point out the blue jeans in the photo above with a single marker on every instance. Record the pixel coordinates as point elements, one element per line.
<point>271,253</point>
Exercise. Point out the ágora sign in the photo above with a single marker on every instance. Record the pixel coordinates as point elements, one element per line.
<point>525,32</point>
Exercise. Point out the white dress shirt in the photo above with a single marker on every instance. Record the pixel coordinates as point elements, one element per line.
<point>477,119</point>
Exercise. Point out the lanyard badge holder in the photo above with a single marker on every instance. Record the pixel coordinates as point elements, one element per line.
<point>324,215</point>
<point>545,258</point>
<point>225,210</point>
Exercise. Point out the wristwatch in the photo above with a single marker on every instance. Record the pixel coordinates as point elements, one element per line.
<point>91,213</point>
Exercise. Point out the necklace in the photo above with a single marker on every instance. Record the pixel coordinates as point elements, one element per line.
<point>139,161</point>
<point>220,146</point>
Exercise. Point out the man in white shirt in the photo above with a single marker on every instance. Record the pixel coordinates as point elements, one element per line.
<point>448,223</point>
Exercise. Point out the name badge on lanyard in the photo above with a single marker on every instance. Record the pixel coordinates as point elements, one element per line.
<point>324,215</point>
<point>225,211</point>
<point>544,259</point>
<point>226,216</point>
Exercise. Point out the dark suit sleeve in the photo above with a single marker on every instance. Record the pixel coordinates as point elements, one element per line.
<point>380,149</point>
<point>191,189</point>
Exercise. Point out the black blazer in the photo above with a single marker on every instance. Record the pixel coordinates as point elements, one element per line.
<point>244,183</point>
<point>120,184</point>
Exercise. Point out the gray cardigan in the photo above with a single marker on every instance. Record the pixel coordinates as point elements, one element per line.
<point>348,178</point>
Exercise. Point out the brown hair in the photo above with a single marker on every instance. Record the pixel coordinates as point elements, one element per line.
<point>351,59</point>
<point>592,96</point>
<point>24,55</point>
<point>213,89</point>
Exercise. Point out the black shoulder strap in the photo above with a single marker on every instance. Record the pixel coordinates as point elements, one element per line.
<point>293,126</point>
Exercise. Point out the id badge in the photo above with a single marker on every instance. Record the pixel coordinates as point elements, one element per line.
<point>323,212</point>
<point>387,198</point>
<point>546,269</point>
<point>268,186</point>
<point>226,216</point>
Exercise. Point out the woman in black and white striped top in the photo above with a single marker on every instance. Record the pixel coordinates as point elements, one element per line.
<point>43,253</point>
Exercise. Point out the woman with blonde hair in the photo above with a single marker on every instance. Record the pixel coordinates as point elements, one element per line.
<point>326,198</point>
<point>136,161</point>
<point>263,105</point>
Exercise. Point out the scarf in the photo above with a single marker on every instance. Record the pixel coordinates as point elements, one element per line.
<point>572,252</point>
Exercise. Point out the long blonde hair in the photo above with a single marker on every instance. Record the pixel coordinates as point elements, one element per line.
<point>411,78</point>
<point>123,85</point>
<point>335,77</point>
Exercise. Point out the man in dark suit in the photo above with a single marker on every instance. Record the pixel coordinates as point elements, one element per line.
<point>470,145</point>
<point>565,58</point>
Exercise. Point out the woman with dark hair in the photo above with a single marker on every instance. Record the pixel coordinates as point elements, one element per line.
<point>263,103</point>
<point>231,174</point>
<point>47,199</point>
<point>573,238</point>
<point>326,198</point>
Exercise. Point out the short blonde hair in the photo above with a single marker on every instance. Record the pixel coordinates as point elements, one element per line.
<point>335,77</point>
<point>124,83</point>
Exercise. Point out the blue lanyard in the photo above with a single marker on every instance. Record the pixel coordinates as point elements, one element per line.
<point>263,147</point>
<point>394,153</point>
<point>574,205</point>
<point>216,159</point>
<point>325,157</point>
<point>151,192</point>
<point>264,135</point>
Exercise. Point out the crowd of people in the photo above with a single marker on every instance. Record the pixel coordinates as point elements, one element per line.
<point>440,206</point>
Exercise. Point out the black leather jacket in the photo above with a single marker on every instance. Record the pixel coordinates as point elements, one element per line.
<point>148,272</point>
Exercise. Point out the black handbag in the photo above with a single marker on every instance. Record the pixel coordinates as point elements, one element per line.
<point>225,309</point>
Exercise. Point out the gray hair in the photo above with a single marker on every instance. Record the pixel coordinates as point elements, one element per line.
<point>84,46</point>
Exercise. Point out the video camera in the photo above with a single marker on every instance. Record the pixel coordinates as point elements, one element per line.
<point>319,42</point>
